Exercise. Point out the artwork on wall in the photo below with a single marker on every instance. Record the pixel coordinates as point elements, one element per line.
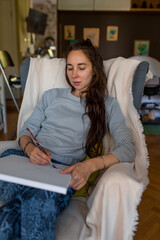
<point>69,32</point>
<point>112,33</point>
<point>92,34</point>
<point>141,47</point>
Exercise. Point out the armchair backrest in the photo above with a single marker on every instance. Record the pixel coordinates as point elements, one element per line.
<point>137,84</point>
<point>38,75</point>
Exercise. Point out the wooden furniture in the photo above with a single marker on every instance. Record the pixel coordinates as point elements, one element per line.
<point>102,5</point>
<point>145,5</point>
<point>114,5</point>
<point>75,5</point>
<point>107,5</point>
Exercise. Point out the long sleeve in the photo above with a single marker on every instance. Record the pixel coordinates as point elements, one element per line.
<point>124,144</point>
<point>35,120</point>
<point>57,124</point>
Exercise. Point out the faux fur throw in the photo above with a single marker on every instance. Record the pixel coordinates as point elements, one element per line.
<point>113,203</point>
<point>120,77</point>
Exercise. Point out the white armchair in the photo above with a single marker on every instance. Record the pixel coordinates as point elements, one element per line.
<point>4,145</point>
<point>110,211</point>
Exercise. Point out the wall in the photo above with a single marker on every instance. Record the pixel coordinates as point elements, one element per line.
<point>13,28</point>
<point>8,29</point>
<point>132,26</point>
<point>22,9</point>
<point>49,7</point>
<point>13,32</point>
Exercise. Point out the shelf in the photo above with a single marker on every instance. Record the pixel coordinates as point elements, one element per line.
<point>145,9</point>
<point>145,5</point>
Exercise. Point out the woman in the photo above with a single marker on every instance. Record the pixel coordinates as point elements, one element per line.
<point>69,124</point>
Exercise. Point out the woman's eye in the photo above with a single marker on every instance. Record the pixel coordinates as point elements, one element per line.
<point>69,69</point>
<point>81,68</point>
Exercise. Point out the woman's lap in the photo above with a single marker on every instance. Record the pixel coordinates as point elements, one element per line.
<point>8,190</point>
<point>13,152</point>
<point>37,208</point>
<point>10,221</point>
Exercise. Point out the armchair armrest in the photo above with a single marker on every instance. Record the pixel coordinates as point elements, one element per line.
<point>4,145</point>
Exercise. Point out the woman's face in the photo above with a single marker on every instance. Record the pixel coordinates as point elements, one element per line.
<point>79,71</point>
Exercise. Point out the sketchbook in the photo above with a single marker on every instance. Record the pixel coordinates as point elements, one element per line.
<point>19,170</point>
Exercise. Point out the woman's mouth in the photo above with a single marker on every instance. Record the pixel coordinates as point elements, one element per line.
<point>76,83</point>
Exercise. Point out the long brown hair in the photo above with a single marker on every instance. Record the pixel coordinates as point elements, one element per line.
<point>95,98</point>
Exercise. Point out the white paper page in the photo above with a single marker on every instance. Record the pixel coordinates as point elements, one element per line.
<point>19,170</point>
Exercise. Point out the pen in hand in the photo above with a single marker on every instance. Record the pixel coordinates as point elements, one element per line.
<point>39,146</point>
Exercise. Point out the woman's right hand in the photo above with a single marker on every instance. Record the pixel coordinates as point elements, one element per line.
<point>34,153</point>
<point>37,156</point>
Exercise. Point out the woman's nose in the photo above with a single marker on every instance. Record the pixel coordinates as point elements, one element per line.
<point>74,73</point>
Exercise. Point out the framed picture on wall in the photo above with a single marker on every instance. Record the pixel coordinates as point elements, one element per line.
<point>69,32</point>
<point>92,34</point>
<point>141,47</point>
<point>112,33</point>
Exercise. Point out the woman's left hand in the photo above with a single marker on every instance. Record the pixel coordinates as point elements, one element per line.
<point>80,173</point>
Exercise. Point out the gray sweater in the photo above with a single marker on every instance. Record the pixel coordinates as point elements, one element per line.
<point>57,124</point>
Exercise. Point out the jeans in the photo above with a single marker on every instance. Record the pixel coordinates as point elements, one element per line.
<point>29,213</point>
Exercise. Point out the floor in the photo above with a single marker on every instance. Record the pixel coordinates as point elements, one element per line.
<point>12,117</point>
<point>149,208</point>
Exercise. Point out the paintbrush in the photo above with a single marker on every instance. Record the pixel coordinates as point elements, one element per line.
<point>39,146</point>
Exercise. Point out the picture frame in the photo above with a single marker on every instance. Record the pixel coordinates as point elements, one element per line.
<point>112,33</point>
<point>93,35</point>
<point>141,47</point>
<point>69,32</point>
